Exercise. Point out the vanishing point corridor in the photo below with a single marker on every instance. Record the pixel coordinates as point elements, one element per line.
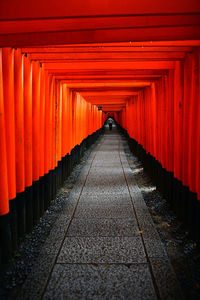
<point>104,245</point>
<point>99,149</point>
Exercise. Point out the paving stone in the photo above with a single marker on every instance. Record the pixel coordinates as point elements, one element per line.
<point>108,165</point>
<point>166,279</point>
<point>106,211</point>
<point>103,171</point>
<point>154,247</point>
<point>100,282</point>
<point>102,250</point>
<point>103,227</point>
<point>105,183</point>
<point>119,189</point>
<point>143,216</point>
<point>97,178</point>
<point>101,200</point>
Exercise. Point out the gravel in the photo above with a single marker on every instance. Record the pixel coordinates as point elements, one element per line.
<point>14,274</point>
<point>182,250</point>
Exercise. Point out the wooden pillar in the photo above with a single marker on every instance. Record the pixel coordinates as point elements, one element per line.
<point>36,140</point>
<point>19,140</point>
<point>28,141</point>
<point>5,232</point>
<point>9,109</point>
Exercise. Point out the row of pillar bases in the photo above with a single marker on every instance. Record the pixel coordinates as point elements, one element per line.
<point>28,206</point>
<point>183,202</point>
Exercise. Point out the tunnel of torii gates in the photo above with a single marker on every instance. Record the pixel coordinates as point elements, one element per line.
<point>59,62</point>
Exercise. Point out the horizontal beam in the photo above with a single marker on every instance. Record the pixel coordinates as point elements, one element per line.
<point>106,103</point>
<point>37,9</point>
<point>107,100</point>
<point>97,23</point>
<point>105,48</point>
<point>64,57</point>
<point>107,84</point>
<point>107,79</point>
<point>191,32</point>
<point>110,73</point>
<point>110,65</point>
<point>108,93</point>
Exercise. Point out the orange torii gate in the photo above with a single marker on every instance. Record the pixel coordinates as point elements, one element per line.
<point>60,61</point>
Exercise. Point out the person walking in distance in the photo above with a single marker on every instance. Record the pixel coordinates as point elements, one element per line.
<point>110,122</point>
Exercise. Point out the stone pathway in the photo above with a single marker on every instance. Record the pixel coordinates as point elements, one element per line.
<point>104,245</point>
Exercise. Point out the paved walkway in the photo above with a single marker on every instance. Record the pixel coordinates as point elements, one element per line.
<point>104,245</point>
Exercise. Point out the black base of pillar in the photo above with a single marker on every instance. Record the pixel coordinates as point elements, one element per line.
<point>47,191</point>
<point>13,223</point>
<point>42,194</point>
<point>5,239</point>
<point>21,213</point>
<point>29,208</point>
<point>36,201</point>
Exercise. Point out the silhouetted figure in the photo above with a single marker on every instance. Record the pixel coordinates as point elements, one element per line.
<point>110,122</point>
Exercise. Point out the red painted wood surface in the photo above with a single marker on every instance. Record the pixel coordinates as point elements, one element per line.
<point>4,205</point>
<point>9,109</point>
<point>28,121</point>
<point>139,61</point>
<point>19,120</point>
<point>36,120</point>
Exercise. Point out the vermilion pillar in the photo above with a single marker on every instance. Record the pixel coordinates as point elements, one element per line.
<point>47,126</point>
<point>28,141</point>
<point>42,154</point>
<point>19,138</point>
<point>5,233</point>
<point>9,107</point>
<point>36,121</point>
<point>53,154</point>
<point>47,142</point>
<point>42,119</point>
<point>19,120</point>
<point>70,125</point>
<point>28,121</point>
<point>198,137</point>
<point>58,114</point>
<point>36,139</point>
<point>178,119</point>
<point>64,120</point>
<point>4,205</point>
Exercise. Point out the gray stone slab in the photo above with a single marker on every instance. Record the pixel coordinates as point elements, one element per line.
<point>102,170</point>
<point>106,211</point>
<point>105,182</point>
<point>118,189</point>
<point>108,164</point>
<point>144,217</point>
<point>114,199</point>
<point>100,282</point>
<point>154,247</point>
<point>105,177</point>
<point>166,280</point>
<point>102,250</point>
<point>103,227</point>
